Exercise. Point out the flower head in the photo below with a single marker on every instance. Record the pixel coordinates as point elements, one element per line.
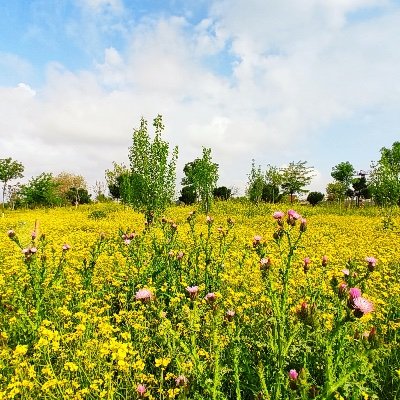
<point>211,297</point>
<point>371,263</point>
<point>229,315</point>
<point>354,293</point>
<point>181,381</point>
<point>141,390</point>
<point>66,247</point>
<point>293,375</point>
<point>324,261</point>
<point>303,224</point>
<point>144,295</point>
<point>192,291</point>
<point>362,306</point>
<point>278,215</point>
<point>11,233</point>
<point>265,263</point>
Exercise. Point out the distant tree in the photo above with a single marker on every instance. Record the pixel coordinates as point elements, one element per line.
<point>222,193</point>
<point>295,177</point>
<point>361,188</point>
<point>152,170</point>
<point>188,195</point>
<point>273,180</point>
<point>78,196</point>
<point>334,191</point>
<point>255,184</point>
<point>70,187</point>
<point>41,191</point>
<point>202,173</point>
<point>343,174</point>
<point>9,170</point>
<point>315,197</point>
<point>271,194</point>
<point>99,189</point>
<point>385,177</point>
<point>118,181</point>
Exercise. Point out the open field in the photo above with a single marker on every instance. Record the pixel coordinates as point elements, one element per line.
<point>237,306</point>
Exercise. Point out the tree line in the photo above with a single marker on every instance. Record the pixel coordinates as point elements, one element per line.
<point>148,183</point>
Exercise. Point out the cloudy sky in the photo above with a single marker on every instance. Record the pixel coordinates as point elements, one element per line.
<point>270,80</point>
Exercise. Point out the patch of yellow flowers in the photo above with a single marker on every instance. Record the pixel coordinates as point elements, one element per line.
<point>79,342</point>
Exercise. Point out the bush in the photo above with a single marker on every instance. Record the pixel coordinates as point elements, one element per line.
<point>315,197</point>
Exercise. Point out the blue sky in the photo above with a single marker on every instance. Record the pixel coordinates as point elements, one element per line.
<point>314,80</point>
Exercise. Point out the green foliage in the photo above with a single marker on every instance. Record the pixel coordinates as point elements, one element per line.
<point>273,181</point>
<point>255,184</point>
<point>152,170</point>
<point>78,196</point>
<point>97,214</point>
<point>385,177</point>
<point>315,197</point>
<point>295,177</point>
<point>202,175</point>
<point>222,193</point>
<point>188,194</point>
<point>41,191</point>
<point>118,181</point>
<point>9,170</point>
<point>343,172</point>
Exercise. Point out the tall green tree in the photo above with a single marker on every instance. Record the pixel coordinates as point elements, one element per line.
<point>385,177</point>
<point>9,170</point>
<point>202,175</point>
<point>295,177</point>
<point>343,174</point>
<point>273,181</point>
<point>152,170</point>
<point>255,184</point>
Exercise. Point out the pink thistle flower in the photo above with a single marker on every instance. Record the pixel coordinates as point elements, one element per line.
<point>211,297</point>
<point>265,264</point>
<point>256,240</point>
<point>11,233</point>
<point>66,247</point>
<point>181,381</point>
<point>180,255</point>
<point>293,214</point>
<point>33,250</point>
<point>229,315</point>
<point>144,295</point>
<point>33,235</point>
<point>278,215</point>
<point>209,219</point>
<point>307,262</point>
<point>354,293</point>
<point>342,288</point>
<point>193,291</point>
<point>303,224</point>
<point>324,261</point>
<point>346,272</point>
<point>293,375</point>
<point>362,306</point>
<point>141,390</point>
<point>127,241</point>
<point>371,263</point>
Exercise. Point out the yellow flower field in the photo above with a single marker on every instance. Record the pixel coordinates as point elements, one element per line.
<point>240,305</point>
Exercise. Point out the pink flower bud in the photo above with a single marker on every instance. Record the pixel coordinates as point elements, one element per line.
<point>141,390</point>
<point>324,261</point>
<point>293,375</point>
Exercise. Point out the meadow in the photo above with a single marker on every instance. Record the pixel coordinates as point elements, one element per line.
<point>249,302</point>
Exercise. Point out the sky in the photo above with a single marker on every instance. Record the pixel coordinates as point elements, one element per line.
<point>274,81</point>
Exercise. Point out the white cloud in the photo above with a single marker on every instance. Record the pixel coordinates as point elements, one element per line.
<point>300,67</point>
